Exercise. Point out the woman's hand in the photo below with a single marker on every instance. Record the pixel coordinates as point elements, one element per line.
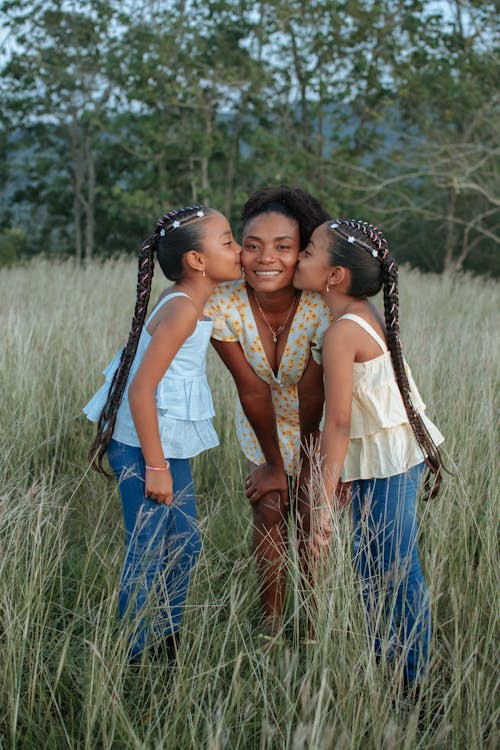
<point>264,479</point>
<point>159,486</point>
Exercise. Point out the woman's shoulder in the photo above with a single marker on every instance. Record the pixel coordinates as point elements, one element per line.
<point>229,289</point>
<point>227,307</point>
<point>314,301</point>
<point>228,294</point>
<point>315,314</point>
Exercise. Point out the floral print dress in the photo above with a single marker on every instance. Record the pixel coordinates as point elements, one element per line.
<point>234,320</point>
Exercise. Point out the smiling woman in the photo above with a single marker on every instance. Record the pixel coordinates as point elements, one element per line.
<point>270,340</point>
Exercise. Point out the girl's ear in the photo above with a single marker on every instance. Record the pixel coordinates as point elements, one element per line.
<point>195,260</point>
<point>337,275</point>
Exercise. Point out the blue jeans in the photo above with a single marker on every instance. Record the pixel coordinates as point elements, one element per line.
<point>386,554</point>
<point>162,546</point>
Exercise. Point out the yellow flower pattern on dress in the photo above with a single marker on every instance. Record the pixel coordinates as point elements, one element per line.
<point>234,321</point>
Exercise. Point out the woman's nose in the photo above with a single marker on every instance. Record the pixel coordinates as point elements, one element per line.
<point>266,254</point>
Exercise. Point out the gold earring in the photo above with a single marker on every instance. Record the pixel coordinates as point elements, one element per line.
<point>204,273</point>
<point>327,287</point>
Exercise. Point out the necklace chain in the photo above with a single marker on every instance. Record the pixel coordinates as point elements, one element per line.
<point>282,326</point>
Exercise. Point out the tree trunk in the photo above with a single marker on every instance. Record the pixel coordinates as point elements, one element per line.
<point>90,202</point>
<point>192,174</point>
<point>231,167</point>
<point>77,217</point>
<point>450,229</point>
<point>78,180</point>
<point>302,81</point>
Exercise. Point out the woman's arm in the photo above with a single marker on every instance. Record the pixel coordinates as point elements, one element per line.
<point>338,359</point>
<point>256,400</point>
<point>311,400</point>
<point>176,321</point>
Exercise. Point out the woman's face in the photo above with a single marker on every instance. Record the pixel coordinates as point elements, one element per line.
<point>313,268</point>
<point>270,250</point>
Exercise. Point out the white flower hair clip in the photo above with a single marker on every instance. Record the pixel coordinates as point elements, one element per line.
<point>200,214</point>
<point>176,224</point>
<point>334,225</point>
<point>375,253</point>
<point>162,233</point>
<point>350,239</point>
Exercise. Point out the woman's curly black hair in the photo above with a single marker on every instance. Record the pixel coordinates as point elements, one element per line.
<point>291,202</point>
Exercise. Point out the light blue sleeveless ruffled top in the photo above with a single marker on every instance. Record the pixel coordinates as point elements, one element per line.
<point>183,397</point>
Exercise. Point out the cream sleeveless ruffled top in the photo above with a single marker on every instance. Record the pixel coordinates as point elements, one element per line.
<point>183,398</point>
<point>382,442</point>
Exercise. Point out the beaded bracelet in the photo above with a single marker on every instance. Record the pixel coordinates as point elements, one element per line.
<point>158,468</point>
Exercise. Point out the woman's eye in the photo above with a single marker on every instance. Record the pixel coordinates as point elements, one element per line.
<point>283,247</point>
<point>250,246</point>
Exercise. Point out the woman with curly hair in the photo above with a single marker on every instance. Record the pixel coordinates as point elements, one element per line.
<point>270,340</point>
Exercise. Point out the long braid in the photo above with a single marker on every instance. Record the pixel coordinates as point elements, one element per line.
<point>145,270</point>
<point>106,423</point>
<point>371,239</point>
<point>391,309</point>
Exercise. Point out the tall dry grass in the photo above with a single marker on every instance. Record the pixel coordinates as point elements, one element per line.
<point>64,678</point>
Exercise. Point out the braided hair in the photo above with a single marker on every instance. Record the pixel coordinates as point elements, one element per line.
<point>291,202</point>
<point>175,233</point>
<point>362,248</point>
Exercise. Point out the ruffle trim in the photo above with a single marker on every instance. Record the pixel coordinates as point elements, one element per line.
<point>179,439</point>
<point>386,453</point>
<point>185,398</point>
<point>376,402</point>
<point>177,397</point>
<point>94,407</point>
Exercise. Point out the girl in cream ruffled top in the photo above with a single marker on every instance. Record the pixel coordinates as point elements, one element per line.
<point>382,442</point>
<point>375,434</point>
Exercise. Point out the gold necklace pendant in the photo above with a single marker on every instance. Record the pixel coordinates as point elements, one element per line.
<point>275,333</point>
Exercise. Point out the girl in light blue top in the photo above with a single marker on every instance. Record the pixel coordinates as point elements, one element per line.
<point>154,413</point>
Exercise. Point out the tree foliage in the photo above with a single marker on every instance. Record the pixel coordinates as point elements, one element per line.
<point>113,111</point>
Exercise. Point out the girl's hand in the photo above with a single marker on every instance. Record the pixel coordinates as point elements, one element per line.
<point>159,486</point>
<point>264,479</point>
<point>321,532</point>
<point>343,494</point>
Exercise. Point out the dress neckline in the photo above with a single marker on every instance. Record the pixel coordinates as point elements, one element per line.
<point>275,375</point>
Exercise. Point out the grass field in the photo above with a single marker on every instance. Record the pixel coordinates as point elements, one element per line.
<point>64,679</point>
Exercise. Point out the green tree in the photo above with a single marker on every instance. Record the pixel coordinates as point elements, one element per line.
<point>448,95</point>
<point>388,110</point>
<point>55,84</point>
